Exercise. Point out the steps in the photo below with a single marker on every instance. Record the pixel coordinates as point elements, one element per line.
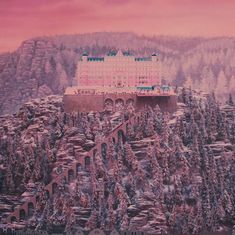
<point>67,162</point>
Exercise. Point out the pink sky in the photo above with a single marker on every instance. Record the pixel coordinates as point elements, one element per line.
<point>22,19</point>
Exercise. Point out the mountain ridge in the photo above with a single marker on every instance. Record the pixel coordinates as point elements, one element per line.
<point>47,65</point>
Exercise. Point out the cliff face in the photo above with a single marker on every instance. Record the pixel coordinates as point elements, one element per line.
<point>36,69</point>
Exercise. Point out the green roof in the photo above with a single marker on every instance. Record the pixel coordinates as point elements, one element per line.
<point>145,87</point>
<point>95,58</point>
<point>143,59</point>
<point>111,53</point>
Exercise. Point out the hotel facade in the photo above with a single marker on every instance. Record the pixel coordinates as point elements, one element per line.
<point>116,81</point>
<point>118,70</point>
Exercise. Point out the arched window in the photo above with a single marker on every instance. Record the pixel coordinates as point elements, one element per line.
<point>30,209</point>
<point>104,151</point>
<point>121,136</point>
<point>47,194</point>
<point>119,104</point>
<point>108,104</point>
<point>71,175</point>
<point>79,167</point>
<point>13,219</point>
<point>94,153</point>
<point>54,188</point>
<point>130,102</point>
<point>87,162</point>
<point>22,214</point>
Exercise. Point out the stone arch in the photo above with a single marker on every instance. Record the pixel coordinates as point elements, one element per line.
<point>13,219</point>
<point>54,187</point>
<point>64,179</point>
<point>108,104</point>
<point>71,175</point>
<point>79,167</point>
<point>9,230</point>
<point>30,209</point>
<point>87,162</point>
<point>94,153</point>
<point>104,151</point>
<point>130,102</point>
<point>47,194</point>
<point>22,215</point>
<point>121,136</point>
<point>119,104</point>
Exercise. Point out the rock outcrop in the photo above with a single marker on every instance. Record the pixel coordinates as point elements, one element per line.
<point>36,69</point>
<point>169,174</point>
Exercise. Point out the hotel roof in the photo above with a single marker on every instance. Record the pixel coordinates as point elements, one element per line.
<point>118,53</point>
<point>95,58</point>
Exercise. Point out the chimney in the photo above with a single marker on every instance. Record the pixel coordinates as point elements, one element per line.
<point>84,56</point>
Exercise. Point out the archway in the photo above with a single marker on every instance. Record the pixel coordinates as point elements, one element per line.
<point>130,102</point>
<point>108,104</point>
<point>9,230</point>
<point>119,104</point>
<point>87,163</point>
<point>121,136</point>
<point>64,180</point>
<point>30,209</point>
<point>13,219</point>
<point>94,153</point>
<point>22,215</point>
<point>71,175</point>
<point>54,188</point>
<point>47,193</point>
<point>79,167</point>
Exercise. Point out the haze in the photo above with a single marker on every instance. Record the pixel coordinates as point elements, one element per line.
<point>24,19</point>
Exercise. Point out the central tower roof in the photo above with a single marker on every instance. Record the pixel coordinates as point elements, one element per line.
<point>119,53</point>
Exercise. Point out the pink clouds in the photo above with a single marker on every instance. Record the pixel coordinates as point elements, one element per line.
<point>23,19</point>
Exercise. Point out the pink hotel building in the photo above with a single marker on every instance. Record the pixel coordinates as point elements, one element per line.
<point>118,78</point>
<point>118,70</point>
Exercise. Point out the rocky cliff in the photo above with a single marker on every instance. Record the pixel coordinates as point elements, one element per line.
<point>38,68</point>
<point>170,173</point>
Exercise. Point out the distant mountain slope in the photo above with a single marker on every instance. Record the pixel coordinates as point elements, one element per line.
<point>46,65</point>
